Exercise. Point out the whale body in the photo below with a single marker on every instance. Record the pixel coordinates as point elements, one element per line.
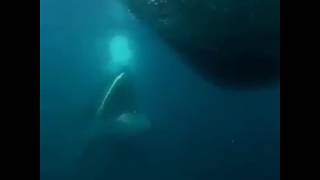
<point>118,114</point>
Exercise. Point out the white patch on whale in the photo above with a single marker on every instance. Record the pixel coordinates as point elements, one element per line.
<point>125,125</point>
<point>129,124</point>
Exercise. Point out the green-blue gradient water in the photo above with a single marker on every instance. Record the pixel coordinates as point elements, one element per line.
<point>198,131</point>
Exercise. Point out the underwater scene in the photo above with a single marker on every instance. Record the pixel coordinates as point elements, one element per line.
<point>159,90</point>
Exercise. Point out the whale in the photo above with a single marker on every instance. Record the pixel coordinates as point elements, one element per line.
<point>118,114</point>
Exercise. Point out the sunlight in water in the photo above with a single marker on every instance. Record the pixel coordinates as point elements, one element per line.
<point>120,51</point>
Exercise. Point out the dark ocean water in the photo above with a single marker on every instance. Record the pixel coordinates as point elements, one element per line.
<point>199,131</point>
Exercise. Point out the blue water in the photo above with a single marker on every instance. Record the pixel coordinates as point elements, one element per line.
<point>198,131</point>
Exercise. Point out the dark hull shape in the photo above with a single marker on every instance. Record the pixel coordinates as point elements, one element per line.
<point>231,43</point>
